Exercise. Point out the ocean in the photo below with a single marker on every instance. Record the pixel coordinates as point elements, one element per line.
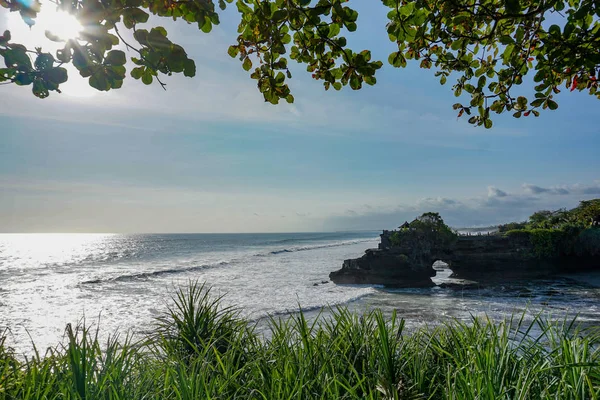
<point>122,282</point>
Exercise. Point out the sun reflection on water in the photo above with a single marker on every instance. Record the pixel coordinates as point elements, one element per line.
<point>31,250</point>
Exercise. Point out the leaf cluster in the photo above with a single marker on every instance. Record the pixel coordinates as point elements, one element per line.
<point>45,73</point>
<point>489,46</point>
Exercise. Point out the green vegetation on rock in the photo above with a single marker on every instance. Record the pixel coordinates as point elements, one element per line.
<point>201,351</point>
<point>561,232</point>
<point>426,231</point>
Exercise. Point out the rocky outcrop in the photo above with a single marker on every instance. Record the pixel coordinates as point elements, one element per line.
<point>501,258</point>
<point>498,258</point>
<point>483,259</point>
<point>390,267</point>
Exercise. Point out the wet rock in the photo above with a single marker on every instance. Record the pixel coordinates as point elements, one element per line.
<point>460,286</point>
<point>390,268</point>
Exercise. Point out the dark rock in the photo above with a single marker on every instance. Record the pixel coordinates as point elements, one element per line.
<point>388,267</point>
<point>460,286</point>
<point>497,259</point>
<point>485,259</point>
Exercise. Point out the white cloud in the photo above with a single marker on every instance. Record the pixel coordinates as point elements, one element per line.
<point>495,192</point>
<point>495,207</point>
<point>577,188</point>
<point>534,189</point>
<point>593,189</point>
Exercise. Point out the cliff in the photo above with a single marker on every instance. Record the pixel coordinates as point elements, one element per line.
<point>405,259</point>
<point>389,267</point>
<point>497,258</point>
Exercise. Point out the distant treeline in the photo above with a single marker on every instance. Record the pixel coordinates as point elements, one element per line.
<point>561,232</point>
<point>586,215</point>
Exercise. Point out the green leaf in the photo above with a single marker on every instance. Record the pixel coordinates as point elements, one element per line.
<point>147,77</point>
<point>98,81</point>
<point>189,68</point>
<point>355,82</point>
<point>247,64</point>
<point>279,15</point>
<point>206,27</point>
<point>397,60</point>
<point>57,75</point>
<point>39,89</point>
<point>537,102</point>
<point>115,57</point>
<point>17,57</point>
<point>133,16</point>
<point>44,61</point>
<point>233,51</point>
<point>5,38</point>
<point>552,105</point>
<point>334,30</point>
<point>137,73</point>
<point>23,79</point>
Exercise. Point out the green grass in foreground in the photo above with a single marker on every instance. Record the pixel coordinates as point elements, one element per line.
<point>200,350</point>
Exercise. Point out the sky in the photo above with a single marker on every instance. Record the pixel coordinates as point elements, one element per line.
<point>208,155</point>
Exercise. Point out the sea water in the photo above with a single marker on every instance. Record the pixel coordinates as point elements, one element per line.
<point>123,282</point>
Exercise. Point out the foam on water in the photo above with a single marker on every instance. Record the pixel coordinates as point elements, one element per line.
<point>47,281</point>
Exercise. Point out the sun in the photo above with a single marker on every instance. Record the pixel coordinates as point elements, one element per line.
<point>59,23</point>
<point>56,22</point>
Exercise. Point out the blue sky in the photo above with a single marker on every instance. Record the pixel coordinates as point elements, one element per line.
<point>208,155</point>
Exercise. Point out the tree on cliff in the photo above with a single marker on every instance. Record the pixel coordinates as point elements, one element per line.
<point>425,232</point>
<point>488,46</point>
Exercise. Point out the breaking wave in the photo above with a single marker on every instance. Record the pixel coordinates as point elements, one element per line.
<point>153,274</point>
<point>184,269</point>
<point>316,246</point>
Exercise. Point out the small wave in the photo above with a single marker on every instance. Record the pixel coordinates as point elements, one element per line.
<point>306,239</point>
<point>315,247</point>
<point>280,251</point>
<point>310,309</point>
<point>153,274</point>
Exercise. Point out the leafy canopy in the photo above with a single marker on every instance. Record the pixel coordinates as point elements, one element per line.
<point>488,46</point>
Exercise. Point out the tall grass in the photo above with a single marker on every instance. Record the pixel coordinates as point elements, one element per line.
<point>201,350</point>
